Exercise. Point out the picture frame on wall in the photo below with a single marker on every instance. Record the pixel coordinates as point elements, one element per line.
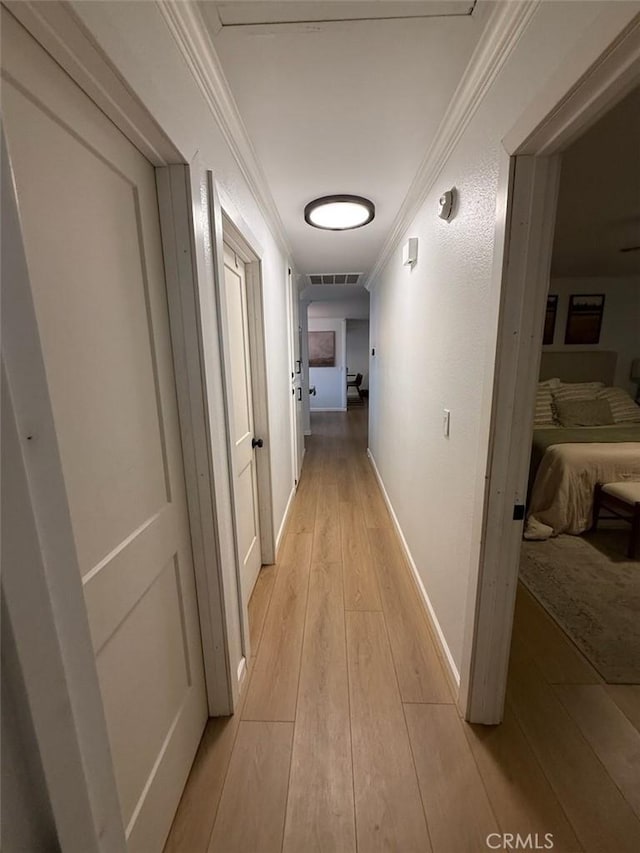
<point>550,319</point>
<point>584,318</point>
<point>322,349</point>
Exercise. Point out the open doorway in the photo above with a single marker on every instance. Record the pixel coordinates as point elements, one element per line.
<point>357,362</point>
<point>337,347</point>
<point>583,570</point>
<point>531,182</point>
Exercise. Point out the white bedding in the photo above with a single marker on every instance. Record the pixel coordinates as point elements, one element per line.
<point>562,496</point>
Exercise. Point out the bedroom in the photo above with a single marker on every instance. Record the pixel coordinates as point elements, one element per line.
<point>580,558</point>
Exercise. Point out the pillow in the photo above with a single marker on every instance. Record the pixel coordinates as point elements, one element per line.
<point>544,413</point>
<point>578,413</point>
<point>577,391</point>
<point>623,409</point>
<point>550,383</point>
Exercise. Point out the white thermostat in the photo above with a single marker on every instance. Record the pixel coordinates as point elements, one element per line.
<point>445,204</point>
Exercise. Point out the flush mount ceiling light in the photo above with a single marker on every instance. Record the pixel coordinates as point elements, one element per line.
<point>339,212</point>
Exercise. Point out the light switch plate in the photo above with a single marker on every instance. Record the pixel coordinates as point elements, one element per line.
<point>446,422</point>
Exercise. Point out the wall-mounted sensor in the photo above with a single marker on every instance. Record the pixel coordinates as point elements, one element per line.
<point>410,251</point>
<point>445,204</point>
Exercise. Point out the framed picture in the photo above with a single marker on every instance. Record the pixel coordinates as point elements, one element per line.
<point>550,319</point>
<point>322,349</point>
<point>584,319</point>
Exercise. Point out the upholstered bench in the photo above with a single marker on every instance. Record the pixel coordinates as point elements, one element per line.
<point>623,500</point>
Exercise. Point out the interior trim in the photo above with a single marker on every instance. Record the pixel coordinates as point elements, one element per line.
<point>192,38</point>
<point>61,33</point>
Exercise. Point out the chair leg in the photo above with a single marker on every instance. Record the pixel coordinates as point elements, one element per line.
<point>597,501</point>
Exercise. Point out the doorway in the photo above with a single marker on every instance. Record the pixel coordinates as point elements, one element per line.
<point>238,286</point>
<point>357,345</point>
<point>530,181</point>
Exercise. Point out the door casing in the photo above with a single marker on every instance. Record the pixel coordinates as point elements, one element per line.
<point>228,227</point>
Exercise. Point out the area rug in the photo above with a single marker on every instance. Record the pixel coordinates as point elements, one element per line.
<point>592,590</point>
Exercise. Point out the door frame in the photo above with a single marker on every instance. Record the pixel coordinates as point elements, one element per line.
<point>192,323</point>
<point>296,371</point>
<point>228,226</point>
<point>527,192</point>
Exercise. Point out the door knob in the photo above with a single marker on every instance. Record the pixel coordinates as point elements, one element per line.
<point>257,442</point>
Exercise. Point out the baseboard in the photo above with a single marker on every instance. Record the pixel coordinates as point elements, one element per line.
<point>329,410</point>
<point>445,653</point>
<point>285,519</point>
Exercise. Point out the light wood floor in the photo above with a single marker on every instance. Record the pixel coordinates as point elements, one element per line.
<point>348,738</point>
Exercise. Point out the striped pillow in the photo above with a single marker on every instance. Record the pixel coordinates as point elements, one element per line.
<point>544,413</point>
<point>550,383</point>
<point>577,391</point>
<point>623,409</point>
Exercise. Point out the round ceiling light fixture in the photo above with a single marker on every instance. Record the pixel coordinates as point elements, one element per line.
<point>339,212</point>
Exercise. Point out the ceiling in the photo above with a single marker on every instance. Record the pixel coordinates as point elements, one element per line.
<point>599,200</point>
<point>342,106</point>
<point>258,12</point>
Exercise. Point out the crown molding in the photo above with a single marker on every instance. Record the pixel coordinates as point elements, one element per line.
<point>499,36</point>
<point>192,37</point>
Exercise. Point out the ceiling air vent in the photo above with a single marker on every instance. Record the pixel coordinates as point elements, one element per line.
<point>335,278</point>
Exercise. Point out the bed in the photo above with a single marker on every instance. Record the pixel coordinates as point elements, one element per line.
<point>567,462</point>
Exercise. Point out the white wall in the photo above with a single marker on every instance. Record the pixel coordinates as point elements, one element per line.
<point>352,307</point>
<point>136,38</point>
<point>330,382</point>
<point>355,309</point>
<point>434,329</point>
<point>358,349</point>
<point>620,320</point>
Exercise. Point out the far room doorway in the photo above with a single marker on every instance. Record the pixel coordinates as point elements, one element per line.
<point>336,331</point>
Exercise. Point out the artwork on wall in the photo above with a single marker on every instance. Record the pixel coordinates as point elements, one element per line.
<point>550,319</point>
<point>322,349</point>
<point>584,319</point>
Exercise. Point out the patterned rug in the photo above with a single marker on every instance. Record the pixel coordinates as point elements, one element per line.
<point>592,590</point>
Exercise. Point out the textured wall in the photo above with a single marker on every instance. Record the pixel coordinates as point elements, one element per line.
<point>434,330</point>
<point>358,349</point>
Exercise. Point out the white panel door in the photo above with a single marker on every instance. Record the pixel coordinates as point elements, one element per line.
<point>89,215</point>
<point>245,483</point>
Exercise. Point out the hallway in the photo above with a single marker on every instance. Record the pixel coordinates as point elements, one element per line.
<point>348,737</point>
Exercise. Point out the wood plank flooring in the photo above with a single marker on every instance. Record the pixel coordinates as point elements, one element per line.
<point>348,738</point>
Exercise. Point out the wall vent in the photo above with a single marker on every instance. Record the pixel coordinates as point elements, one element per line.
<point>335,278</point>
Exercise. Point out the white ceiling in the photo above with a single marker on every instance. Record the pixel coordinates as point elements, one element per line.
<point>258,12</point>
<point>342,107</point>
<point>599,200</point>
